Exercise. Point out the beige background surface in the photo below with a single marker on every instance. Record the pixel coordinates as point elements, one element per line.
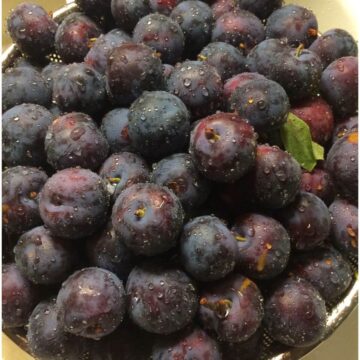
<point>343,344</point>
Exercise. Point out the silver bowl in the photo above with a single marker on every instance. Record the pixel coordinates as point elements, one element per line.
<point>271,350</point>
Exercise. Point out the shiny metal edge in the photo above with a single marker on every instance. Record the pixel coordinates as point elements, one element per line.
<point>335,317</point>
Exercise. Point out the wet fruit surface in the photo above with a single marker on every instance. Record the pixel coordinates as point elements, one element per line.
<point>276,177</point>
<point>19,297</point>
<point>232,308</point>
<point>198,85</point>
<point>263,246</point>
<point>162,34</point>
<point>223,147</point>
<point>73,35</point>
<point>169,164</point>
<point>179,173</point>
<point>91,303</point>
<point>294,23</point>
<point>20,198</point>
<point>208,249</point>
<point>24,85</point>
<point>295,313</point>
<point>32,29</point>
<point>189,345</point>
<point>161,300</point>
<point>43,257</point>
<point>319,183</point>
<point>342,164</point>
<point>344,227</point>
<point>122,170</point>
<point>339,84</point>
<point>47,338</point>
<point>78,87</point>
<point>195,20</point>
<point>158,124</point>
<point>107,251</point>
<point>23,133</point>
<point>131,69</point>
<point>74,203</point>
<point>326,270</point>
<point>148,218</point>
<point>318,115</point>
<point>263,102</point>
<point>307,219</point>
<point>115,127</point>
<point>75,140</point>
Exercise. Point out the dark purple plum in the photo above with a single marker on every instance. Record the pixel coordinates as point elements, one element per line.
<point>334,44</point>
<point>20,206</point>
<point>161,300</point>
<point>232,308</point>
<point>240,28</point>
<point>295,313</point>
<point>73,37</point>
<point>189,345</point>
<point>198,85</point>
<point>342,164</point>
<point>78,87</point>
<point>263,102</point>
<point>339,85</point>
<point>24,85</point>
<point>32,29</point>
<point>91,303</point>
<point>23,134</point>
<point>344,126</point>
<point>318,115</point>
<point>163,6</point>
<point>223,147</point>
<point>179,173</point>
<point>307,220</point>
<point>207,248</point>
<point>277,61</point>
<point>245,350</point>
<point>239,80</point>
<point>132,69</point>
<point>326,270</point>
<point>100,50</point>
<point>318,182</point>
<point>107,251</point>
<point>50,71</point>
<point>19,297</point>
<point>294,23</point>
<point>47,338</point>
<point>276,177</point>
<point>127,13</point>
<point>44,258</point>
<point>227,59</point>
<point>344,227</point>
<point>263,246</point>
<point>148,218</point>
<point>122,170</point>
<point>74,203</point>
<point>162,34</point>
<point>159,124</point>
<point>195,20</point>
<point>75,140</point>
<point>115,127</point>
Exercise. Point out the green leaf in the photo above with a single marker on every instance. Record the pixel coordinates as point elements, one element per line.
<point>296,137</point>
